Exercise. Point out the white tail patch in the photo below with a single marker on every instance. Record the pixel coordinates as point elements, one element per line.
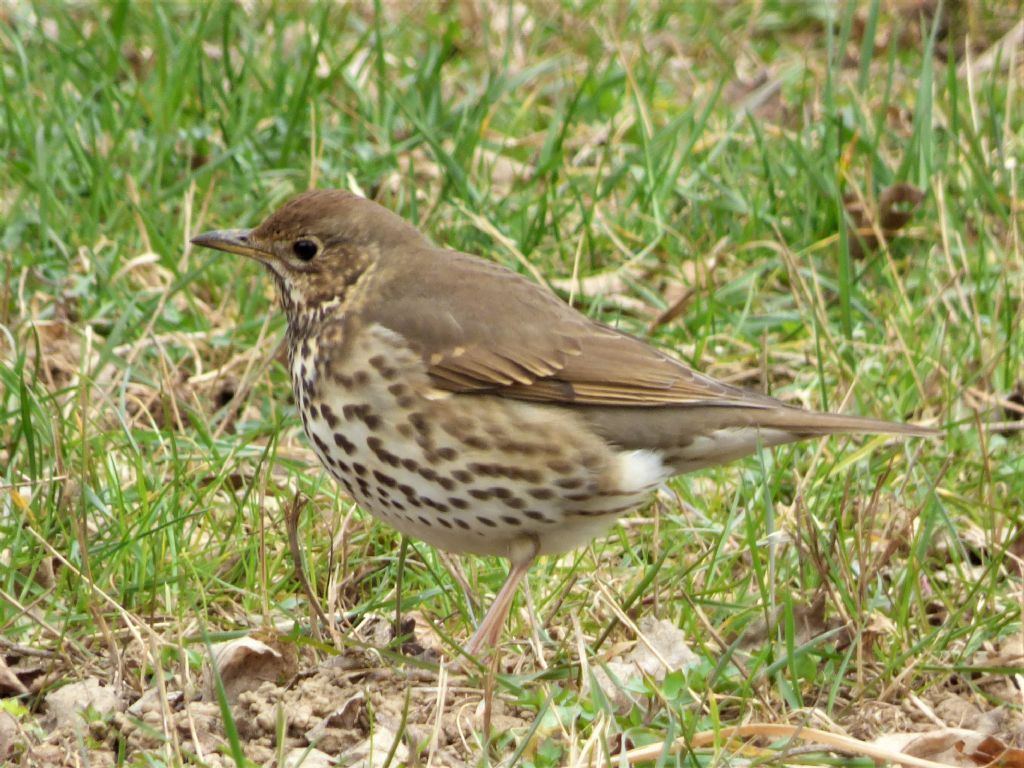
<point>641,471</point>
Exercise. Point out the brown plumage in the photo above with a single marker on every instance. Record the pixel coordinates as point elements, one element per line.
<point>472,408</point>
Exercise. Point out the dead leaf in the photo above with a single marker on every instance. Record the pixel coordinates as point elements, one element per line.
<point>954,747</point>
<point>9,732</point>
<point>896,207</point>
<point>678,295</point>
<point>345,716</point>
<point>245,664</point>
<point>10,685</point>
<point>66,705</point>
<point>661,649</point>
<point>991,751</point>
<point>150,701</point>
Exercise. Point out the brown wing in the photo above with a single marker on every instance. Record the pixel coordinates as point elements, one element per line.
<point>483,328</point>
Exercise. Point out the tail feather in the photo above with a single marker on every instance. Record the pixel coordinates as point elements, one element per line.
<point>695,437</point>
<point>729,443</point>
<point>812,424</point>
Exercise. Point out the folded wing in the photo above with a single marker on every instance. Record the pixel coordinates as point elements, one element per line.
<point>523,342</point>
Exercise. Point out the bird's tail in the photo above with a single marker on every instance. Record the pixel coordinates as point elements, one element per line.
<point>737,432</point>
<point>812,424</point>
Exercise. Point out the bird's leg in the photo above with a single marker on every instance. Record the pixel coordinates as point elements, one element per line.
<point>522,553</point>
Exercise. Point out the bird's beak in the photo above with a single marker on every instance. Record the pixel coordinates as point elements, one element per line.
<point>233,241</point>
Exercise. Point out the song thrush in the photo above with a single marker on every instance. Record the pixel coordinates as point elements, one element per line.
<point>467,406</point>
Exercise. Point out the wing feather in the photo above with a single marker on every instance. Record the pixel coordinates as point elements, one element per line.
<point>516,339</point>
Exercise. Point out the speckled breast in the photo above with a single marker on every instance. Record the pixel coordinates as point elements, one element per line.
<point>466,473</point>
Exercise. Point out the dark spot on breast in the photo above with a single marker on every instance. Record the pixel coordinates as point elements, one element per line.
<point>515,446</point>
<point>434,504</point>
<point>487,521</point>
<point>376,445</point>
<point>372,421</point>
<point>601,512</point>
<point>501,492</point>
<point>458,503</point>
<point>457,427</point>
<point>329,415</point>
<point>462,475</point>
<point>344,443</point>
<point>541,493</point>
<point>517,473</point>
<point>361,378</point>
<point>425,521</point>
<point>381,364</point>
<point>477,443</point>
<point>479,494</point>
<point>358,468</point>
<point>313,413</point>
<point>514,503</point>
<point>533,514</point>
<point>569,483</point>
<point>397,389</point>
<point>410,465</point>
<point>405,430</point>
<point>444,522</point>
<point>383,479</point>
<point>462,523</point>
<point>511,520</point>
<point>420,423</point>
<point>320,443</point>
<point>448,454</point>
<point>561,467</point>
<point>406,401</point>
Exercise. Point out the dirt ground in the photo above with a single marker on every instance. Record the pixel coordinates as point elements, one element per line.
<point>294,704</point>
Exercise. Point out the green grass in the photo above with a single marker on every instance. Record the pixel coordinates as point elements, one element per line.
<point>147,433</point>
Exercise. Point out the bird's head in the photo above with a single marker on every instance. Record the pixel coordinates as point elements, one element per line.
<point>317,245</point>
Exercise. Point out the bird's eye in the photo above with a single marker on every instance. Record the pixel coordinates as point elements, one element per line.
<point>305,249</point>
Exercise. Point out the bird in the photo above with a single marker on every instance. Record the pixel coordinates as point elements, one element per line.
<point>468,406</point>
